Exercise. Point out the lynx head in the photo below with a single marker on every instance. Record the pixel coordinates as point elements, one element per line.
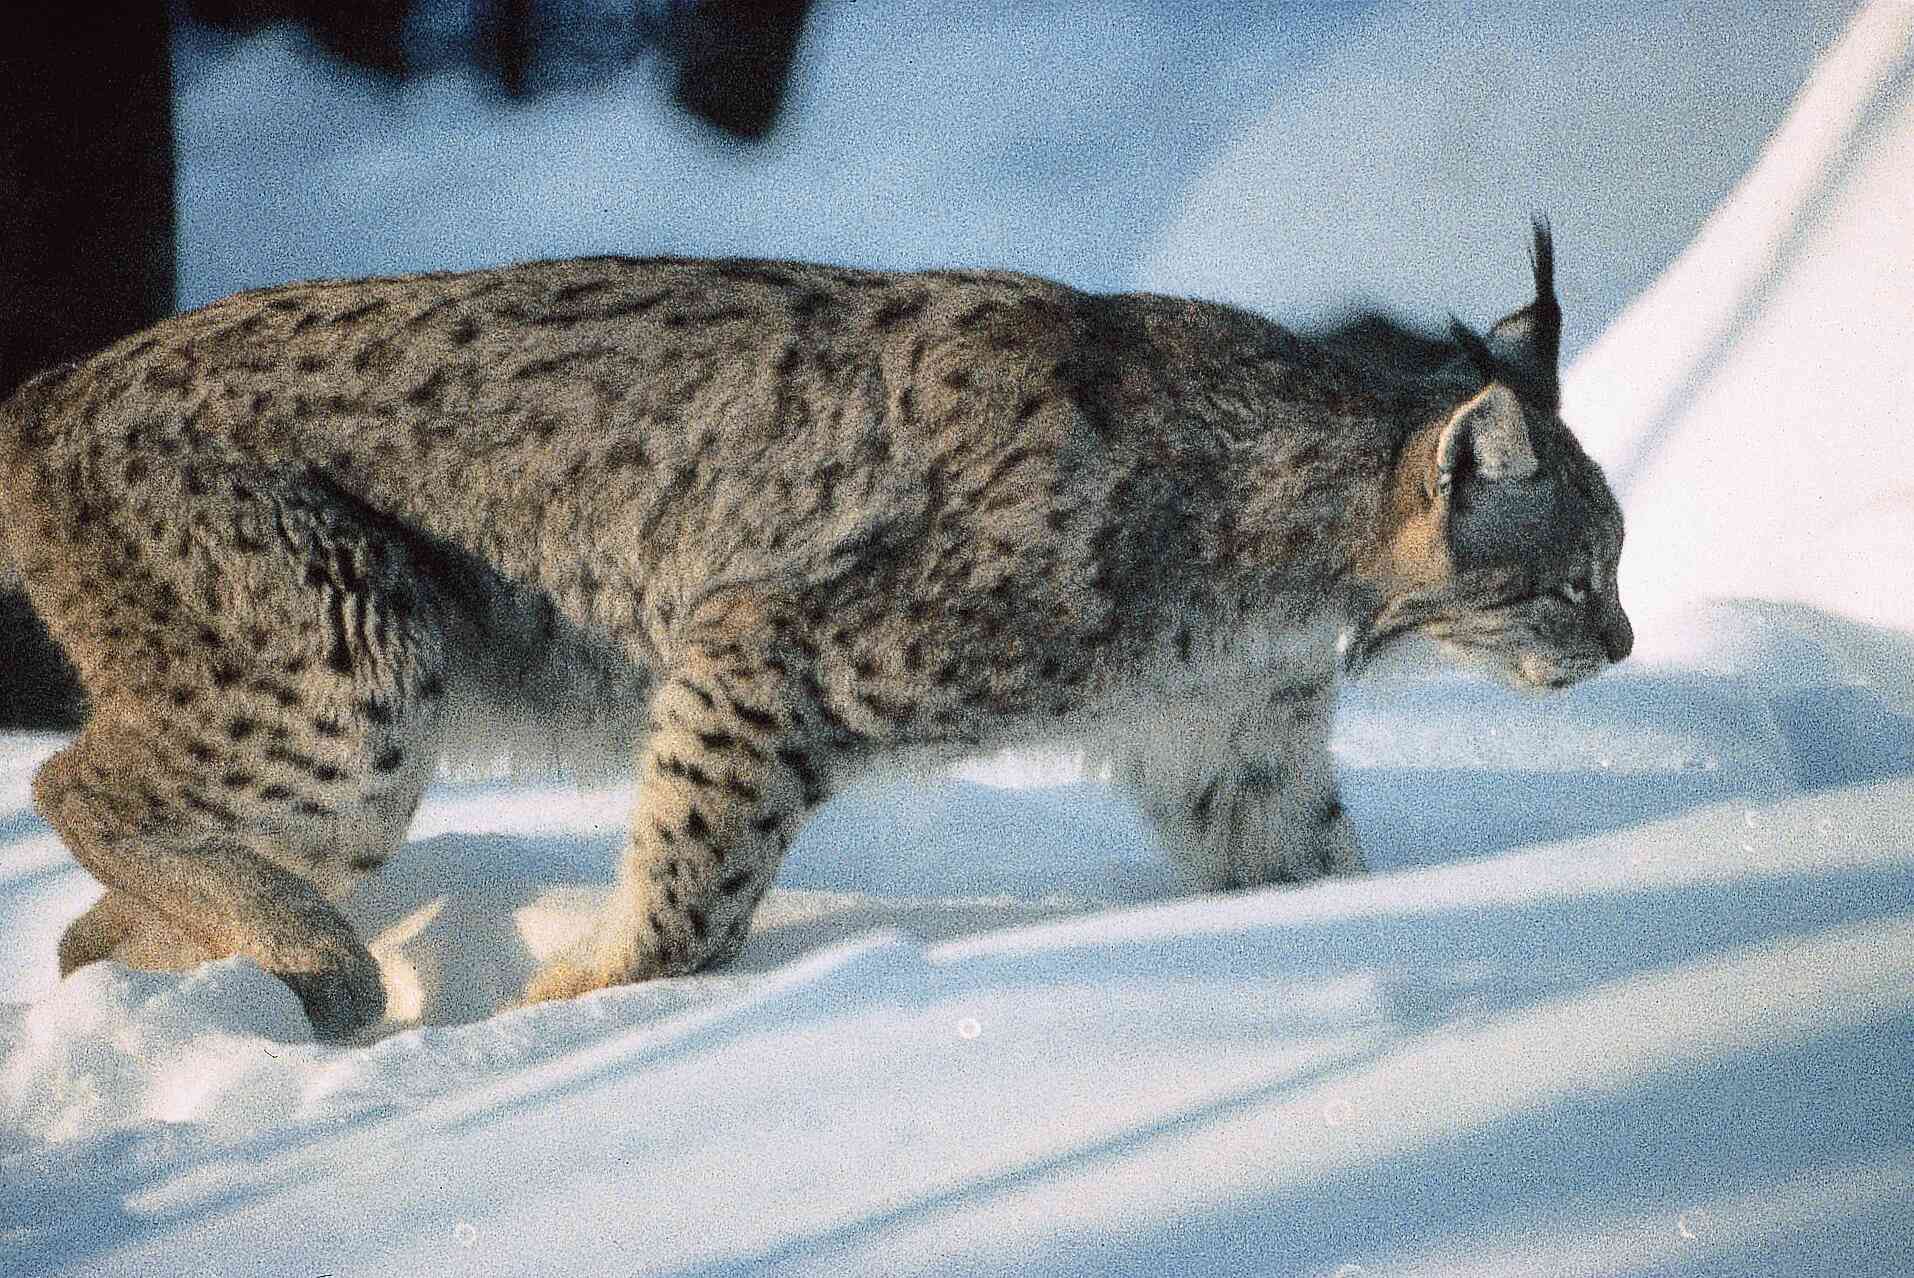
<point>1502,537</point>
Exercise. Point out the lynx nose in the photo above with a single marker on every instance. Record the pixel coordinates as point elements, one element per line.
<point>1618,637</point>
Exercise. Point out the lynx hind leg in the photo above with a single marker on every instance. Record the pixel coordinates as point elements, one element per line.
<point>268,704</point>
<point>96,933</point>
<point>125,929</point>
<point>736,755</point>
<point>1250,801</point>
<point>211,882</point>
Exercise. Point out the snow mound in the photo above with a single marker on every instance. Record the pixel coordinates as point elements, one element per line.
<point>1750,408</point>
<point>110,1047</point>
<point>1586,1057</point>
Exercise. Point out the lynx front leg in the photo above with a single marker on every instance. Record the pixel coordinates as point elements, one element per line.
<point>1254,801</point>
<point>733,762</point>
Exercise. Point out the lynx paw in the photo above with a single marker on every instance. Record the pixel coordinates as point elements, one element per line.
<point>561,978</point>
<point>1246,831</point>
<point>340,1001</point>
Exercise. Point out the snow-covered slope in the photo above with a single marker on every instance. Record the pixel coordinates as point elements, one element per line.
<point>1754,407</point>
<point>1679,1046</point>
<point>1402,168</point>
<point>1631,991</point>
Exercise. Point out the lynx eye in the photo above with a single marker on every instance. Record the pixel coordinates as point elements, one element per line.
<point>1576,592</point>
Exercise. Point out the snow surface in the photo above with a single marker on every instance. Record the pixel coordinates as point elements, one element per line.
<point>1631,990</point>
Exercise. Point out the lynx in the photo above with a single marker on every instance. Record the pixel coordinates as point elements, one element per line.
<point>762,526</point>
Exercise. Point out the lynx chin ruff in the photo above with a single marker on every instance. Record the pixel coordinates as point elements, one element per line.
<point>759,527</point>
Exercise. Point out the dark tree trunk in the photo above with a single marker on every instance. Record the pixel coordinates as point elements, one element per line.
<point>86,232</point>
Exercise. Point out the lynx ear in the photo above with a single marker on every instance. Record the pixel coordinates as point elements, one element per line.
<point>1491,433</point>
<point>1528,343</point>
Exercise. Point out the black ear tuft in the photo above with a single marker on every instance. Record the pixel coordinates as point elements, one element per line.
<point>1547,334</point>
<point>1528,343</point>
<point>1542,258</point>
